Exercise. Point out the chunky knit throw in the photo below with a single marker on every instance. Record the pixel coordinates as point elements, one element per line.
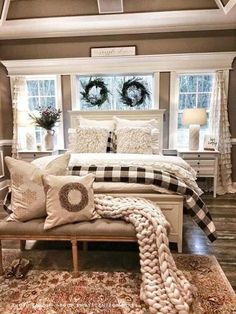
<point>164,288</point>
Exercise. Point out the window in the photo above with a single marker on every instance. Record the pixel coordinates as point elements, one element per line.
<point>114,85</point>
<point>192,91</point>
<point>41,91</point>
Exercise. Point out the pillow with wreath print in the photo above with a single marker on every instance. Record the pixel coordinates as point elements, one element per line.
<point>68,199</point>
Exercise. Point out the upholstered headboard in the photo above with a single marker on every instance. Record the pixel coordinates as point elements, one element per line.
<point>157,114</point>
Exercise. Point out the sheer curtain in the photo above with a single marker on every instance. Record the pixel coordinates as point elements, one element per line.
<point>19,99</point>
<point>219,126</point>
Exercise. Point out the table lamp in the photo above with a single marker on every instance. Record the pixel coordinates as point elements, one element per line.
<point>23,120</point>
<point>194,118</point>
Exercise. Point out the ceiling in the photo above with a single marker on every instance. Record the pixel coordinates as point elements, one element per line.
<point>62,18</point>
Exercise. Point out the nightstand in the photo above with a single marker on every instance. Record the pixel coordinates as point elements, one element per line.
<point>30,155</point>
<point>205,163</point>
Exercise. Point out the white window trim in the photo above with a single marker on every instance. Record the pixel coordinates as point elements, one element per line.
<point>174,97</point>
<point>156,87</point>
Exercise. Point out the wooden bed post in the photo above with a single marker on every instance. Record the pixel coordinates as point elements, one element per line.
<point>1,265</point>
<point>75,257</point>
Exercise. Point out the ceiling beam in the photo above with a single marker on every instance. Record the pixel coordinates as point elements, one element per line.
<point>112,24</point>
<point>229,6</point>
<point>220,5</point>
<point>4,11</point>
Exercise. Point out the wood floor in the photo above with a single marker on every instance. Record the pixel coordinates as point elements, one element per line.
<point>123,256</point>
<point>223,211</point>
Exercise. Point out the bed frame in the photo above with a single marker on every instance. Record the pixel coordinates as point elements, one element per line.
<point>171,205</point>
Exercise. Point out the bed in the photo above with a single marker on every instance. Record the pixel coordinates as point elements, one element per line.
<point>112,177</point>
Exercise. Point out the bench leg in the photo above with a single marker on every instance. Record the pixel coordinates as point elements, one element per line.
<point>1,266</point>
<point>75,258</point>
<point>22,245</point>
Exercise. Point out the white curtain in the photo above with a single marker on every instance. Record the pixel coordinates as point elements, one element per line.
<point>18,88</point>
<point>219,126</point>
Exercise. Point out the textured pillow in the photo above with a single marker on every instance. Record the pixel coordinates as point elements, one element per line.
<point>134,140</point>
<point>152,124</point>
<point>28,197</point>
<point>89,140</point>
<point>68,199</point>
<point>108,124</point>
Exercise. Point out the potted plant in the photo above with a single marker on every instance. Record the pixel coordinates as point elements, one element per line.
<point>46,118</point>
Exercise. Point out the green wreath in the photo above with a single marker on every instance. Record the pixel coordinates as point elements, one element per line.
<point>134,93</point>
<point>99,98</point>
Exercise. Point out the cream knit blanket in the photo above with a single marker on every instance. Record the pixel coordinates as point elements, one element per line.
<point>164,288</point>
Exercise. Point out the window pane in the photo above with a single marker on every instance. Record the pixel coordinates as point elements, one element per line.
<point>47,102</point>
<point>187,101</point>
<point>205,83</point>
<point>204,100</point>
<point>188,83</point>
<point>32,88</point>
<point>47,87</point>
<point>33,103</point>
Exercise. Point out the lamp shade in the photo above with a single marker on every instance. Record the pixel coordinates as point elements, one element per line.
<point>194,116</point>
<point>23,119</point>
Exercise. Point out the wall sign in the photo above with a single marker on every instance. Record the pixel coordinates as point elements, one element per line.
<point>113,51</point>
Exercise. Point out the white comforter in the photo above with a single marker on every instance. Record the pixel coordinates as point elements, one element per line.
<point>172,164</point>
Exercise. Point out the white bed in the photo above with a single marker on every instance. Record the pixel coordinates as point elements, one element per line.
<point>171,204</point>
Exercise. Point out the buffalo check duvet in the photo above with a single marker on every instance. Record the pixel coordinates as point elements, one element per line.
<point>144,175</point>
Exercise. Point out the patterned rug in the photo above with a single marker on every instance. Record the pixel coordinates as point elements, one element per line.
<point>56,292</point>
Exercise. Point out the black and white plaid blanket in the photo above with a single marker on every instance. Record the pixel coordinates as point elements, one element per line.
<point>142,175</point>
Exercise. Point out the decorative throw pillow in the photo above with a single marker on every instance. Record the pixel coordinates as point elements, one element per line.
<point>134,140</point>
<point>151,124</point>
<point>28,197</point>
<point>68,199</point>
<point>89,140</point>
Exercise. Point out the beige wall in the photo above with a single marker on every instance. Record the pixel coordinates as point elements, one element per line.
<point>161,43</point>
<point>184,42</point>
<point>5,106</point>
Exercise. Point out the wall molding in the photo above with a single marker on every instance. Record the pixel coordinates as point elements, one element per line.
<point>5,143</point>
<point>135,64</point>
<point>110,24</point>
<point>233,141</point>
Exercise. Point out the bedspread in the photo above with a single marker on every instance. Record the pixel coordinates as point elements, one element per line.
<point>141,175</point>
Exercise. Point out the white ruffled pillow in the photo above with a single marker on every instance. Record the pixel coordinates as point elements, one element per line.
<point>151,124</point>
<point>134,140</point>
<point>88,140</point>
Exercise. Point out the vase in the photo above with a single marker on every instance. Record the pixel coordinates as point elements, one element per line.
<point>49,140</point>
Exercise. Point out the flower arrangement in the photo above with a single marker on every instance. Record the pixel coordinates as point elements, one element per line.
<point>46,117</point>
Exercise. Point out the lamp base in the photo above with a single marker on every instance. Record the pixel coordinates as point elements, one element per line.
<point>194,137</point>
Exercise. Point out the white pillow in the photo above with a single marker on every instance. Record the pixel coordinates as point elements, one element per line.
<point>152,124</point>
<point>134,140</point>
<point>28,196</point>
<point>88,140</point>
<point>123,123</point>
<point>108,124</point>
<point>68,199</point>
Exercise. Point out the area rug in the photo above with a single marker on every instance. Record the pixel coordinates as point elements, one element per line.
<point>56,292</point>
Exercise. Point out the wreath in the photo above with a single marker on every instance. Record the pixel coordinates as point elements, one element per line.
<point>134,92</point>
<point>95,98</point>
